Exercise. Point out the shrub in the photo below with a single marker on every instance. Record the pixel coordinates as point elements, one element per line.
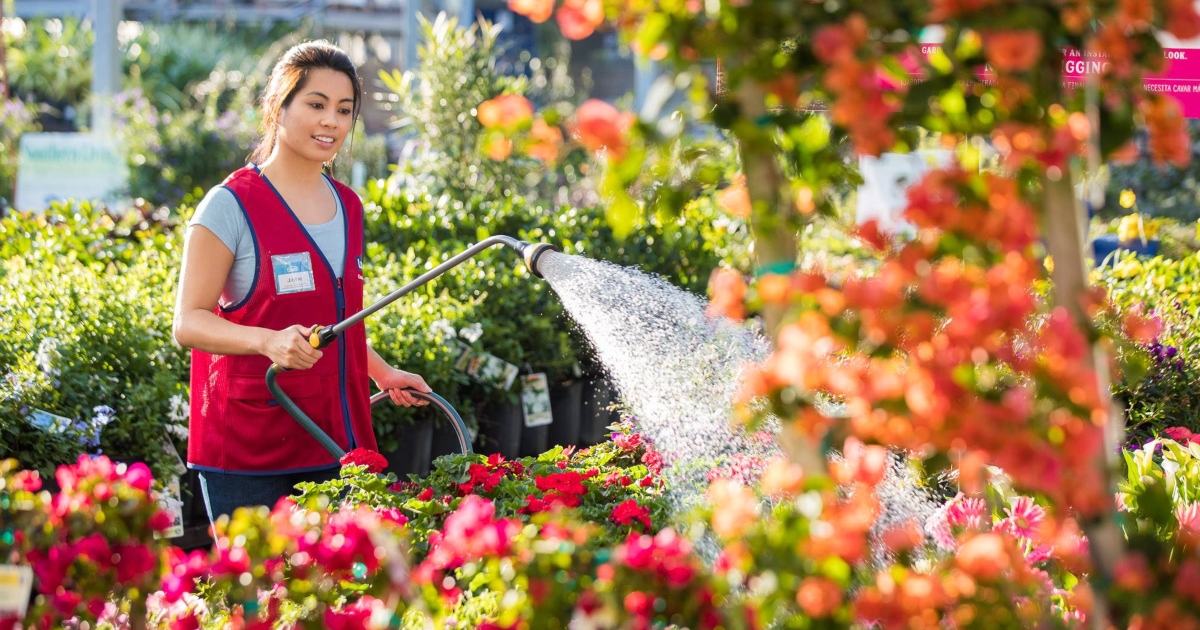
<point>87,321</point>
<point>16,118</point>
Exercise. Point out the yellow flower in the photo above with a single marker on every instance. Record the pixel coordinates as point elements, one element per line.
<point>1127,198</point>
<point>1049,263</point>
<point>1127,268</point>
<point>1131,228</point>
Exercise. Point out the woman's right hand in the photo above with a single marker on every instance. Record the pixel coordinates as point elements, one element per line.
<point>289,348</point>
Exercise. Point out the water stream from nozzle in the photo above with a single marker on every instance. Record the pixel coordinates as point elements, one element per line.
<point>674,367</point>
<point>677,369</point>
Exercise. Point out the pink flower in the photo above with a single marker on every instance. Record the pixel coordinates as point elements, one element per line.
<point>374,462</point>
<point>392,515</point>
<point>1179,434</point>
<point>627,442</point>
<point>138,476</point>
<point>963,511</point>
<point>1023,517</point>
<point>354,616</point>
<point>1189,517</point>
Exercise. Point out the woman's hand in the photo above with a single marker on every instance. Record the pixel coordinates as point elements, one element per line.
<point>289,348</point>
<point>396,381</point>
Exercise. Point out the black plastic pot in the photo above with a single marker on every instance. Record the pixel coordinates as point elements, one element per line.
<point>566,403</point>
<point>501,430</point>
<point>415,451</point>
<point>598,395</point>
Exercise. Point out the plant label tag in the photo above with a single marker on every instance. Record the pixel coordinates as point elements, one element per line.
<point>16,582</point>
<point>169,502</point>
<point>535,400</point>
<point>48,422</point>
<point>293,273</point>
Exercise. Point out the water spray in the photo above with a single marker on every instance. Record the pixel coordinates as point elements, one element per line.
<point>323,336</point>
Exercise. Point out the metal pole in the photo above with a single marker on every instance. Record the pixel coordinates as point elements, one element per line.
<point>106,64</point>
<point>412,9</point>
<point>3,60</point>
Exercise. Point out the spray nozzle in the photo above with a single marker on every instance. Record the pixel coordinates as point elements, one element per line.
<point>532,252</point>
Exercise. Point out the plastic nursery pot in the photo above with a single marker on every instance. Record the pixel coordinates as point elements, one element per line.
<point>415,452</point>
<point>566,403</point>
<point>501,429</point>
<point>598,395</point>
<point>1105,246</point>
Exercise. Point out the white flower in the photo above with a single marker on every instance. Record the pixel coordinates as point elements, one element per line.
<point>471,333</point>
<point>180,410</point>
<point>47,355</point>
<point>443,328</point>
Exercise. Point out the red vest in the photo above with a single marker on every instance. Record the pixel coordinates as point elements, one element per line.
<point>236,425</point>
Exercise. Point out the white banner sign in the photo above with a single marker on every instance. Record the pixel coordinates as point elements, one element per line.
<point>60,166</point>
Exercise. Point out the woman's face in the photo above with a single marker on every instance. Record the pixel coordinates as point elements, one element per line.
<point>316,122</point>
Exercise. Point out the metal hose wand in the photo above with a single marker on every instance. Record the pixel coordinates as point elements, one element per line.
<point>322,336</point>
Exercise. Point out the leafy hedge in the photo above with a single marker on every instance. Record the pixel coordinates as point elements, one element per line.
<point>85,318</point>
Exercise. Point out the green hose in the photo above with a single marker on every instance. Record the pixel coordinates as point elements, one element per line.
<point>285,401</point>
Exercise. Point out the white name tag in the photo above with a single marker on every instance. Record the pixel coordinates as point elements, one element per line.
<point>293,273</point>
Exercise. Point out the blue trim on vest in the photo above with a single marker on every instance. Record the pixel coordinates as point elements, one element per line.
<point>257,253</point>
<point>340,300</point>
<point>262,473</point>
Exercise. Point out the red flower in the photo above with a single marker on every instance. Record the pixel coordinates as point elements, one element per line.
<point>374,462</point>
<point>426,494</point>
<point>27,480</point>
<point>629,511</point>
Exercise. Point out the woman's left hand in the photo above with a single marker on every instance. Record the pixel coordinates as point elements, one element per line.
<point>396,381</point>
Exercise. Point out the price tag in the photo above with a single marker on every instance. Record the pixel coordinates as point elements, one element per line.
<point>16,583</point>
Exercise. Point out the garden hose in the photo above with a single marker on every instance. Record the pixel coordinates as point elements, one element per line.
<point>456,421</point>
<point>322,336</point>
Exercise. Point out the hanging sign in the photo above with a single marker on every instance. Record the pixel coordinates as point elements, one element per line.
<point>1180,78</point>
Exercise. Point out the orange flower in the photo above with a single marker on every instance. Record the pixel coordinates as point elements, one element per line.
<point>862,463</point>
<point>736,508</point>
<point>1182,20</point>
<point>544,141</point>
<point>600,126</point>
<point>985,556</point>
<point>578,19</point>
<point>782,478</point>
<point>736,199</point>
<point>497,146</point>
<point>819,596</point>
<point>1012,50</point>
<point>537,11</point>
<point>728,292</point>
<point>507,111</point>
<point>1169,140</point>
<point>1140,329</point>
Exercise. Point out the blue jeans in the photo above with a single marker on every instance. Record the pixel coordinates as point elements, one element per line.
<point>225,492</point>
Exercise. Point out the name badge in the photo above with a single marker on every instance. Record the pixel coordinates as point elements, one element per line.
<point>293,273</point>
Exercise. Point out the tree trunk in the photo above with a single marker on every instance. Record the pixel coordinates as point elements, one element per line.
<point>1066,229</point>
<point>772,229</point>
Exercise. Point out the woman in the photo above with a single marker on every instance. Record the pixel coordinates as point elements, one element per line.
<point>272,252</point>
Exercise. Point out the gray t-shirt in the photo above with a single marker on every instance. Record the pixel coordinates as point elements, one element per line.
<point>220,213</point>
